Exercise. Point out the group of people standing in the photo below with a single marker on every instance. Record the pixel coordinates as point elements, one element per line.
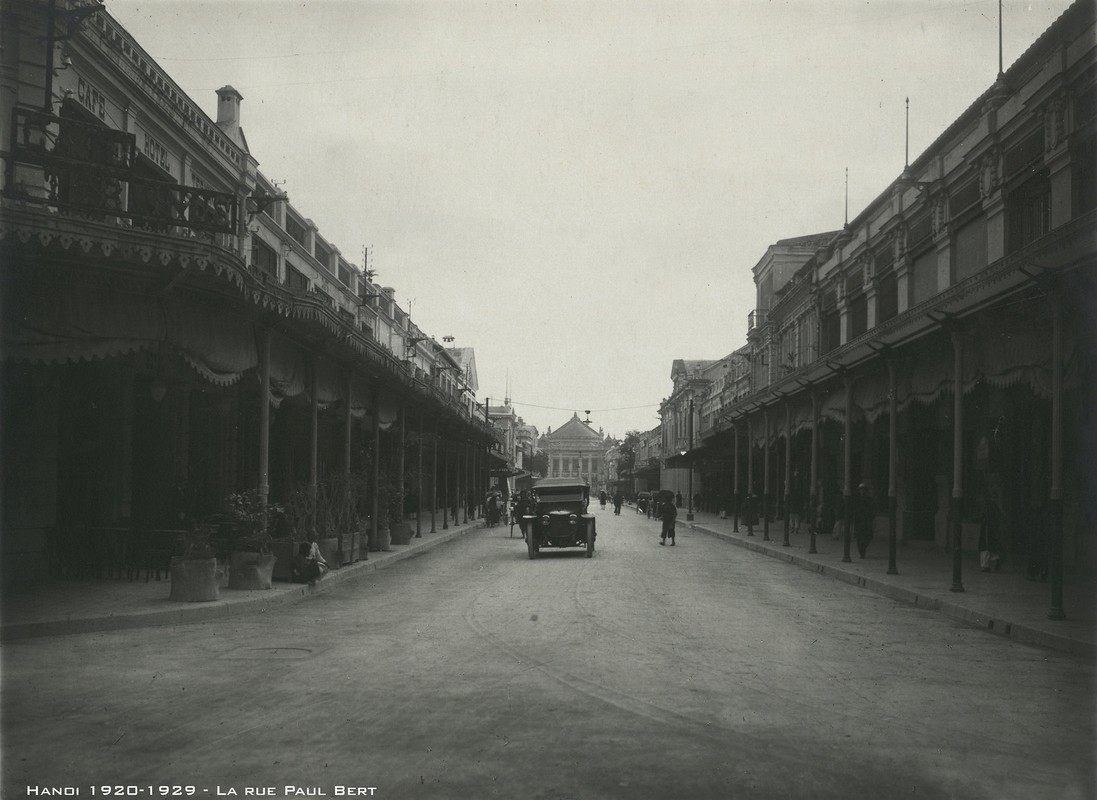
<point>618,499</point>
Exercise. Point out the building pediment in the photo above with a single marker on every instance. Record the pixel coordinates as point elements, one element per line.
<point>573,430</point>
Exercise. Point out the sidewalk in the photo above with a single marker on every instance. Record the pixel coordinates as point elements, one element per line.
<point>1003,602</point>
<point>80,606</point>
<point>1000,602</point>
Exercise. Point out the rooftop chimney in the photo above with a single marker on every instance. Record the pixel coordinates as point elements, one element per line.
<point>228,112</point>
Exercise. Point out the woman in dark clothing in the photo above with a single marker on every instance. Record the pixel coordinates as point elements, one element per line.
<point>668,512</point>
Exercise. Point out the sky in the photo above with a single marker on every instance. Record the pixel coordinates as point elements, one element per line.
<point>579,190</point>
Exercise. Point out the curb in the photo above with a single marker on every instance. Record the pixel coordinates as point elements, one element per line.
<point>191,613</point>
<point>1019,632</point>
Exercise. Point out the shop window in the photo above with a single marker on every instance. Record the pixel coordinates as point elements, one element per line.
<point>1084,175</point>
<point>924,277</point>
<point>857,315</point>
<point>323,255</point>
<point>887,296</point>
<point>969,248</point>
<point>921,231</point>
<point>963,198</point>
<point>830,328</point>
<point>263,258</point>
<point>295,229</point>
<point>1028,211</point>
<point>1022,156</point>
<point>296,280</point>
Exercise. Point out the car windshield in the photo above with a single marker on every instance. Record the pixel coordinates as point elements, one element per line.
<point>571,494</point>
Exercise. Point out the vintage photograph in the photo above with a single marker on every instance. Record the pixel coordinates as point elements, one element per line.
<point>558,399</point>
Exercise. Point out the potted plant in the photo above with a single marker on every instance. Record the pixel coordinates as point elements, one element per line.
<point>196,575</point>
<point>251,562</point>
<point>289,524</point>
<point>388,493</point>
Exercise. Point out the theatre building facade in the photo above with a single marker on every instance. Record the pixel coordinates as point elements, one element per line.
<point>176,331</point>
<point>941,348</point>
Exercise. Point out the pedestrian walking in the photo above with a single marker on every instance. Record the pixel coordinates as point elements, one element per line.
<point>602,498</point>
<point>750,510</point>
<point>862,519</point>
<point>522,509</point>
<point>678,500</point>
<point>618,499</point>
<point>668,512</point>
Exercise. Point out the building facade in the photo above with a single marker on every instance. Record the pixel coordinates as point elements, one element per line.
<point>175,330</point>
<point>575,450</point>
<point>940,348</point>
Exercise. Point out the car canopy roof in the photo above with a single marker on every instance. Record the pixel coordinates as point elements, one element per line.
<point>560,483</point>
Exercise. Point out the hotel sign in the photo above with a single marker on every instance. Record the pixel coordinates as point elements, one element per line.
<point>157,153</point>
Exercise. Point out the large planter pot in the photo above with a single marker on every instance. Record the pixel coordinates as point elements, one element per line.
<point>195,580</point>
<point>329,549</point>
<point>400,533</point>
<point>284,550</point>
<point>383,539</point>
<point>354,552</point>
<point>251,570</point>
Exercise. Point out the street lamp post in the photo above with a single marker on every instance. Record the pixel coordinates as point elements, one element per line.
<point>689,484</point>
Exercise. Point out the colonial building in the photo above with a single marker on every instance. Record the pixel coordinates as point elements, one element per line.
<point>174,328</point>
<point>575,450</point>
<point>649,461</point>
<point>940,348</point>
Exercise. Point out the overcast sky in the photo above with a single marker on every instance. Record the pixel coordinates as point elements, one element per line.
<point>579,190</point>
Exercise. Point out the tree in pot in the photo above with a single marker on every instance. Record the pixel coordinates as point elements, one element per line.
<point>388,493</point>
<point>248,521</point>
<point>339,522</point>
<point>399,530</point>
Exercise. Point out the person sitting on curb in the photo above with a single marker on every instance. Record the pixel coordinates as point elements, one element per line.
<point>309,564</point>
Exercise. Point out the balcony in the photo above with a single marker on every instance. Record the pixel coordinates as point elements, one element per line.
<point>89,171</point>
<point>756,320</point>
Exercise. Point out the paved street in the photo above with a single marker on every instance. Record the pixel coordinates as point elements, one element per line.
<point>703,670</point>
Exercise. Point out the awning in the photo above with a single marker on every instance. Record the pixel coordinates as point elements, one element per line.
<point>507,472</point>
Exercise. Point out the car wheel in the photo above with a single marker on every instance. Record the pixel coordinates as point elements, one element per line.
<point>590,539</point>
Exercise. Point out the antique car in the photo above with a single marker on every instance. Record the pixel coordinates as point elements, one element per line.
<point>560,517</point>
<point>643,499</point>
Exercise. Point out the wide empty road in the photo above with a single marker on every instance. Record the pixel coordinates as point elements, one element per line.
<point>698,671</point>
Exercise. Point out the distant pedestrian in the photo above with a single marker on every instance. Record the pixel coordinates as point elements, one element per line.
<point>990,553</point>
<point>602,498</point>
<point>678,500</point>
<point>697,498</point>
<point>750,510</point>
<point>795,503</point>
<point>862,519</point>
<point>618,499</point>
<point>668,512</point>
<point>826,511</point>
<point>522,509</point>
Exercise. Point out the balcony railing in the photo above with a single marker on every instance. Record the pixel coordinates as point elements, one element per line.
<point>756,319</point>
<point>88,170</point>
